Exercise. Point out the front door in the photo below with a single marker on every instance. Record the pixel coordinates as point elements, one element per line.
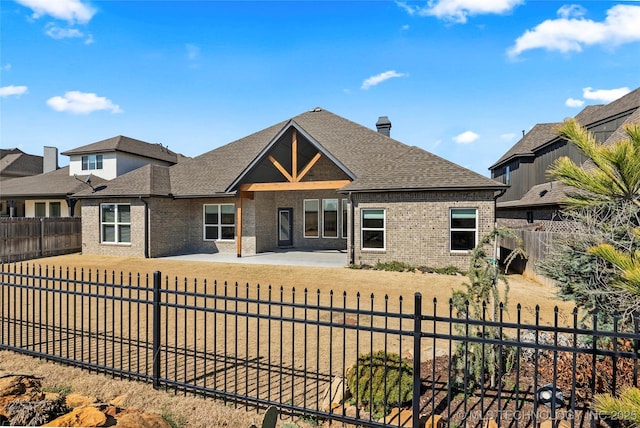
<point>285,227</point>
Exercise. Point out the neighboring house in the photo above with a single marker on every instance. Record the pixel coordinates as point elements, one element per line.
<point>51,194</point>
<point>313,182</point>
<point>115,156</point>
<point>14,163</point>
<point>533,201</point>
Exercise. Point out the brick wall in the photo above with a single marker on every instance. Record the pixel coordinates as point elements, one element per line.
<point>417,226</point>
<point>91,229</point>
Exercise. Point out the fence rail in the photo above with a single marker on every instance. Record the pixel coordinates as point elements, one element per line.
<point>259,346</point>
<point>536,244</point>
<point>28,238</point>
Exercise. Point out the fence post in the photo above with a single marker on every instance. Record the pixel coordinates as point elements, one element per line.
<point>41,236</point>
<point>157,280</point>
<point>417,334</point>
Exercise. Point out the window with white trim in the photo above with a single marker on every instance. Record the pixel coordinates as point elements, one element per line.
<point>463,228</point>
<point>345,210</point>
<point>219,222</point>
<point>90,162</point>
<point>329,218</point>
<point>115,223</point>
<point>373,229</point>
<point>311,218</point>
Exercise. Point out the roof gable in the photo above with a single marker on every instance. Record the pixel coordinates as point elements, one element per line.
<point>540,134</point>
<point>54,183</point>
<point>281,153</point>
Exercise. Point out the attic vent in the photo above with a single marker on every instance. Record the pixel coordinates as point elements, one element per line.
<point>315,110</point>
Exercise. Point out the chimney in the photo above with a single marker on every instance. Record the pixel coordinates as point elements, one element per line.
<point>384,125</point>
<point>50,160</point>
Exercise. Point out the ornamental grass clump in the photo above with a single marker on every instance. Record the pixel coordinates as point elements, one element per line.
<point>381,381</point>
<point>625,408</point>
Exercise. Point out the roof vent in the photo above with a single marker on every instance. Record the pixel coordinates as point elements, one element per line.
<point>315,110</point>
<point>384,125</point>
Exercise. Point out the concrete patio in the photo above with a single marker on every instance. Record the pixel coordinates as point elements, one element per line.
<point>291,257</point>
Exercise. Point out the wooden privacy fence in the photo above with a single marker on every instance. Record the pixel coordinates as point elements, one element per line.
<point>537,245</point>
<point>28,238</point>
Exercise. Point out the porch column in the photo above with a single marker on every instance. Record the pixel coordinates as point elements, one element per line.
<point>239,226</point>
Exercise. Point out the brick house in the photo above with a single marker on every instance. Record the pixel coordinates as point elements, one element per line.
<point>314,182</point>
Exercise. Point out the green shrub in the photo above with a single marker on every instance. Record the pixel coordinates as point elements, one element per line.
<point>381,381</point>
<point>393,266</point>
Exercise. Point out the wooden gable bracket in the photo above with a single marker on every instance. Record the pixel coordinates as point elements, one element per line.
<point>295,176</point>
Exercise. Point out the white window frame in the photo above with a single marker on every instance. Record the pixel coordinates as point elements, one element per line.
<point>337,203</point>
<point>219,225</point>
<point>53,203</point>
<point>344,229</point>
<point>383,229</point>
<point>304,218</point>
<point>35,209</point>
<point>452,229</point>
<point>116,223</point>
<point>98,162</point>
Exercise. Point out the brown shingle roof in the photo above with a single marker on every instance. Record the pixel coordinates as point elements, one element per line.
<point>551,193</point>
<point>539,135</point>
<point>148,180</point>
<point>590,116</point>
<point>377,161</point>
<point>16,163</point>
<point>127,145</point>
<point>55,183</point>
<point>416,169</point>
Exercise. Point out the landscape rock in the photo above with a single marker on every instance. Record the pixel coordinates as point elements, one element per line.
<point>132,418</point>
<point>334,393</point>
<point>80,417</point>
<point>401,418</point>
<point>491,423</point>
<point>77,400</point>
<point>119,400</point>
<point>435,421</point>
<point>18,388</point>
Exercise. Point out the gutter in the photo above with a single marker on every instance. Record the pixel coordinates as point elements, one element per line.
<point>352,240</point>
<point>146,226</point>
<point>495,206</point>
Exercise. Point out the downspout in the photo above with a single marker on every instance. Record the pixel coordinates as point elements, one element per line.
<point>146,227</point>
<point>352,251</point>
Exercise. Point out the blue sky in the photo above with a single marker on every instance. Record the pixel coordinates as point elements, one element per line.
<point>459,78</point>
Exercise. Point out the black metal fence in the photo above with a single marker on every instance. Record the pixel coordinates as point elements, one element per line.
<point>256,346</point>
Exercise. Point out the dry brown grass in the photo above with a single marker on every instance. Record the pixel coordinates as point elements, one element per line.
<point>394,284</point>
<point>206,413</point>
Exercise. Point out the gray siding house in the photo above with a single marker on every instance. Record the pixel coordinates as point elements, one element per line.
<point>316,181</point>
<point>533,201</point>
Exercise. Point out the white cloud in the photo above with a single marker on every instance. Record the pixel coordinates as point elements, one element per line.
<point>82,103</point>
<point>510,136</point>
<point>405,27</point>
<point>466,137</point>
<point>604,95</point>
<point>571,102</point>
<point>56,32</point>
<point>7,91</point>
<point>571,32</point>
<point>68,10</point>
<point>572,11</point>
<point>379,78</point>
<point>459,10</point>
<point>6,67</point>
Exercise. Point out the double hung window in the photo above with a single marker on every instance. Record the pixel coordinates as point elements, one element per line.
<point>373,229</point>
<point>463,228</point>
